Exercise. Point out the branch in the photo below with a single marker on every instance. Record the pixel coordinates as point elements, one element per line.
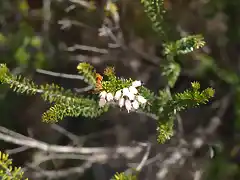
<point>32,143</point>
<point>52,174</point>
<point>87,48</point>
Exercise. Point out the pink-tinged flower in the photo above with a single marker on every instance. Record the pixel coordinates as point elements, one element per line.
<point>136,83</point>
<point>109,97</point>
<point>133,90</point>
<point>135,104</point>
<point>102,102</point>
<point>128,105</point>
<point>118,95</point>
<point>141,99</point>
<point>121,102</point>
<point>103,94</point>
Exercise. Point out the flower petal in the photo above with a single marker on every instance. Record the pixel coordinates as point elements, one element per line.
<point>136,83</point>
<point>131,96</point>
<point>128,105</point>
<point>121,102</point>
<point>103,94</point>
<point>133,90</point>
<point>109,97</point>
<point>118,95</point>
<point>135,104</point>
<point>102,102</point>
<point>125,91</point>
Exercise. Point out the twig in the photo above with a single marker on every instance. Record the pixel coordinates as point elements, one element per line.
<point>43,158</point>
<point>17,150</point>
<point>85,89</point>
<point>144,159</point>
<point>68,134</point>
<point>62,75</point>
<point>142,163</point>
<point>87,48</point>
<point>67,23</point>
<point>12,133</point>
<point>51,174</point>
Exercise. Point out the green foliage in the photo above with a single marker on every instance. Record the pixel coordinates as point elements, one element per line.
<point>113,83</point>
<point>155,11</point>
<point>122,176</point>
<point>193,97</point>
<point>164,130</point>
<point>23,6</point>
<point>88,72</point>
<point>171,70</point>
<point>67,103</point>
<point>21,45</point>
<point>7,171</point>
<point>82,106</point>
<point>184,45</point>
<point>189,98</point>
<point>163,106</point>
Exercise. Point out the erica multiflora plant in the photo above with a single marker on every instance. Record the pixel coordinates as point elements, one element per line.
<point>111,91</point>
<point>130,95</point>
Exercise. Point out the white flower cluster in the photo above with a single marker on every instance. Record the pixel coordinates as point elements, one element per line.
<point>128,97</point>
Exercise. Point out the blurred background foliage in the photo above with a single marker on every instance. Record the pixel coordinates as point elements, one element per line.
<point>43,34</point>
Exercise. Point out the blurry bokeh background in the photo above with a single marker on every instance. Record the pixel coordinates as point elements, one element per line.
<point>56,35</point>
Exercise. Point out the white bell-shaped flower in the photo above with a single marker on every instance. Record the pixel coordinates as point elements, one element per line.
<point>133,90</point>
<point>118,95</point>
<point>141,99</point>
<point>135,104</point>
<point>125,91</point>
<point>121,102</point>
<point>103,94</point>
<point>136,83</point>
<point>102,102</point>
<point>128,105</point>
<point>131,96</point>
<point>109,97</point>
<point>128,94</point>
